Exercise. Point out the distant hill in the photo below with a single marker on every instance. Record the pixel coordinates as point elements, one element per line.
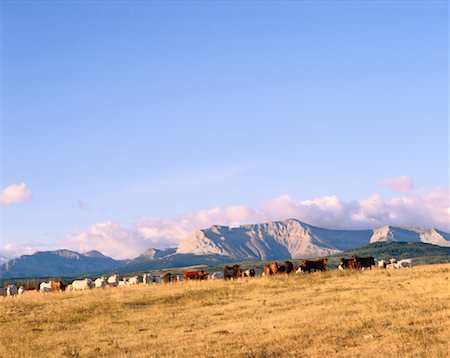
<point>57,263</point>
<point>172,261</point>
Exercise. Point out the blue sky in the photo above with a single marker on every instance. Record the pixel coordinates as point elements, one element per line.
<point>123,111</point>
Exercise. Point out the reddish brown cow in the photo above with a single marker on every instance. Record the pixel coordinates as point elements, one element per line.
<point>195,275</point>
<point>274,268</point>
<point>315,265</point>
<point>267,271</point>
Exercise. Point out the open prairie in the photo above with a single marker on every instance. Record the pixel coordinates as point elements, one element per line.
<point>389,313</point>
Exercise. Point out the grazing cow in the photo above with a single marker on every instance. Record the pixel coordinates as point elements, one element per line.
<point>404,263</point>
<point>362,262</point>
<point>267,271</point>
<point>289,267</point>
<point>308,265</point>
<point>11,290</point>
<point>113,280</point>
<point>249,273</point>
<point>100,282</point>
<point>21,290</point>
<point>81,285</point>
<point>45,287</point>
<point>218,275</point>
<point>69,287</point>
<point>195,275</point>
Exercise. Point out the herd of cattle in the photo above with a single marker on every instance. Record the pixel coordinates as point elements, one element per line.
<point>230,272</point>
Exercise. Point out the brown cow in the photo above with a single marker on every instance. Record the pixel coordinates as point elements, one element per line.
<point>267,271</point>
<point>347,264</point>
<point>361,262</point>
<point>195,275</point>
<point>232,272</point>
<point>274,268</point>
<point>315,265</point>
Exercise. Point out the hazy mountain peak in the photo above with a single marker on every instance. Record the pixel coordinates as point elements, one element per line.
<point>93,253</point>
<point>295,239</point>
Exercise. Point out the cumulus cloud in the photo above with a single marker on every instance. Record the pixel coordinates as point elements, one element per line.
<point>12,250</point>
<point>15,194</point>
<point>110,238</point>
<point>427,207</point>
<point>402,184</point>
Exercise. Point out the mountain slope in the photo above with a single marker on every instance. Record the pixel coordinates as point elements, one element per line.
<point>294,239</point>
<point>57,263</point>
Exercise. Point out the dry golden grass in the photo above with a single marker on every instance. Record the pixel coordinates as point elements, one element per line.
<point>401,313</point>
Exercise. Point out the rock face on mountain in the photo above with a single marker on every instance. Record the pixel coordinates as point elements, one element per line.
<point>294,239</point>
<point>57,263</point>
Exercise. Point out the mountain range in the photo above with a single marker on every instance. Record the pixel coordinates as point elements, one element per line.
<point>294,239</point>
<point>220,244</point>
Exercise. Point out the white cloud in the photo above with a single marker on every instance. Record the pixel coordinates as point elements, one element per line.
<point>15,194</point>
<point>428,207</point>
<point>108,237</point>
<point>402,184</point>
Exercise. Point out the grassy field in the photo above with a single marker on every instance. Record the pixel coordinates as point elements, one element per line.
<point>379,313</point>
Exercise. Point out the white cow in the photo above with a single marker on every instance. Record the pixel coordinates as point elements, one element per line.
<point>45,286</point>
<point>21,290</point>
<point>122,283</point>
<point>380,263</point>
<point>100,282</point>
<point>404,263</point>
<point>218,275</point>
<point>81,285</point>
<point>113,280</point>
<point>11,290</point>
<point>131,280</point>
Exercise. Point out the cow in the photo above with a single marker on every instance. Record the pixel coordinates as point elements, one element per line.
<point>249,273</point>
<point>218,275</point>
<point>58,286</point>
<point>113,280</point>
<point>274,268</point>
<point>267,271</point>
<point>11,290</point>
<point>100,282</point>
<point>404,263</point>
<point>363,262</point>
<point>346,264</point>
<point>167,278</point>
<point>69,288</point>
<point>380,263</point>
<point>195,275</point>
<point>134,280</point>
<point>231,272</point>
<point>81,285</point>
<point>308,265</point>
<point>45,287</point>
<point>289,267</point>
<point>147,278</point>
<point>21,290</point>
